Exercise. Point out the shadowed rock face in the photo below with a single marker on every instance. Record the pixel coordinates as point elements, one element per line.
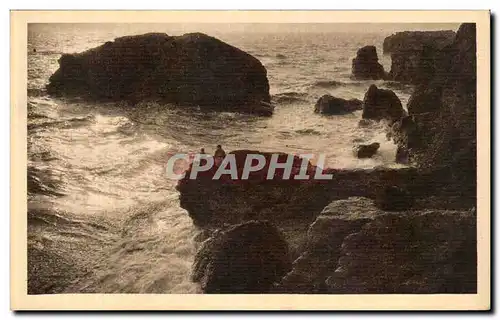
<point>328,104</point>
<point>191,69</point>
<point>440,133</point>
<point>246,258</point>
<point>414,54</point>
<point>416,40</point>
<point>318,219</point>
<point>366,66</point>
<point>381,104</point>
<point>416,252</point>
<point>366,150</point>
<point>413,66</point>
<point>213,203</point>
<point>354,247</point>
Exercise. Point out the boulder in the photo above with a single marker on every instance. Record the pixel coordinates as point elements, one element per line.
<point>191,69</point>
<point>246,258</point>
<point>428,251</point>
<point>415,40</point>
<point>328,104</point>
<point>363,123</point>
<point>324,240</point>
<point>365,65</point>
<point>366,150</point>
<point>355,247</point>
<point>381,104</point>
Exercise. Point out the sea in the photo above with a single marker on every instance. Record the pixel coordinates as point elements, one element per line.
<point>103,217</point>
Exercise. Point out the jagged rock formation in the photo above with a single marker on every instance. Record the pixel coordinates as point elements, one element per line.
<point>353,247</point>
<point>440,132</point>
<point>412,66</point>
<point>416,40</point>
<point>365,65</point>
<point>413,54</point>
<point>214,203</point>
<point>246,258</point>
<point>366,150</point>
<point>409,230</point>
<point>189,69</point>
<point>381,104</point>
<point>328,104</point>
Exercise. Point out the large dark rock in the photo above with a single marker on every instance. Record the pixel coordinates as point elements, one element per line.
<point>354,247</point>
<point>415,55</point>
<point>323,244</point>
<point>328,104</point>
<point>366,150</point>
<point>428,251</point>
<point>365,65</point>
<point>416,40</point>
<point>381,104</point>
<point>442,135</point>
<point>413,66</point>
<point>189,69</point>
<point>246,258</point>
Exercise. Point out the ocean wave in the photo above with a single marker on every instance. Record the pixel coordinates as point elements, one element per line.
<point>308,132</point>
<point>280,56</point>
<point>289,97</point>
<point>44,53</point>
<point>327,84</point>
<point>36,92</point>
<point>61,124</point>
<point>42,182</point>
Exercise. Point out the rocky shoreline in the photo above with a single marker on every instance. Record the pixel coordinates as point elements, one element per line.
<point>409,230</point>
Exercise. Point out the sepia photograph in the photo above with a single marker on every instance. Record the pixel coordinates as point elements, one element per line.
<point>270,158</point>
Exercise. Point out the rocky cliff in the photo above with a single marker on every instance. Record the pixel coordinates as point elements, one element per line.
<point>354,247</point>
<point>416,40</point>
<point>414,54</point>
<point>440,130</point>
<point>410,230</point>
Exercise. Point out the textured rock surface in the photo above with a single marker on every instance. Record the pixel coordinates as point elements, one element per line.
<point>354,247</point>
<point>440,134</point>
<point>323,244</point>
<point>416,40</point>
<point>366,150</point>
<point>366,66</point>
<point>394,198</point>
<point>192,69</point>
<point>411,66</point>
<point>328,104</point>
<point>381,104</point>
<point>246,258</point>
<point>214,203</point>
<point>410,252</point>
<point>414,53</point>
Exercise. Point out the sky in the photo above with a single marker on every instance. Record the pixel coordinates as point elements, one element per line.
<point>218,28</point>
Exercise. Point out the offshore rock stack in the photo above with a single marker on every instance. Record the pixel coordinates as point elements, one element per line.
<point>191,69</point>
